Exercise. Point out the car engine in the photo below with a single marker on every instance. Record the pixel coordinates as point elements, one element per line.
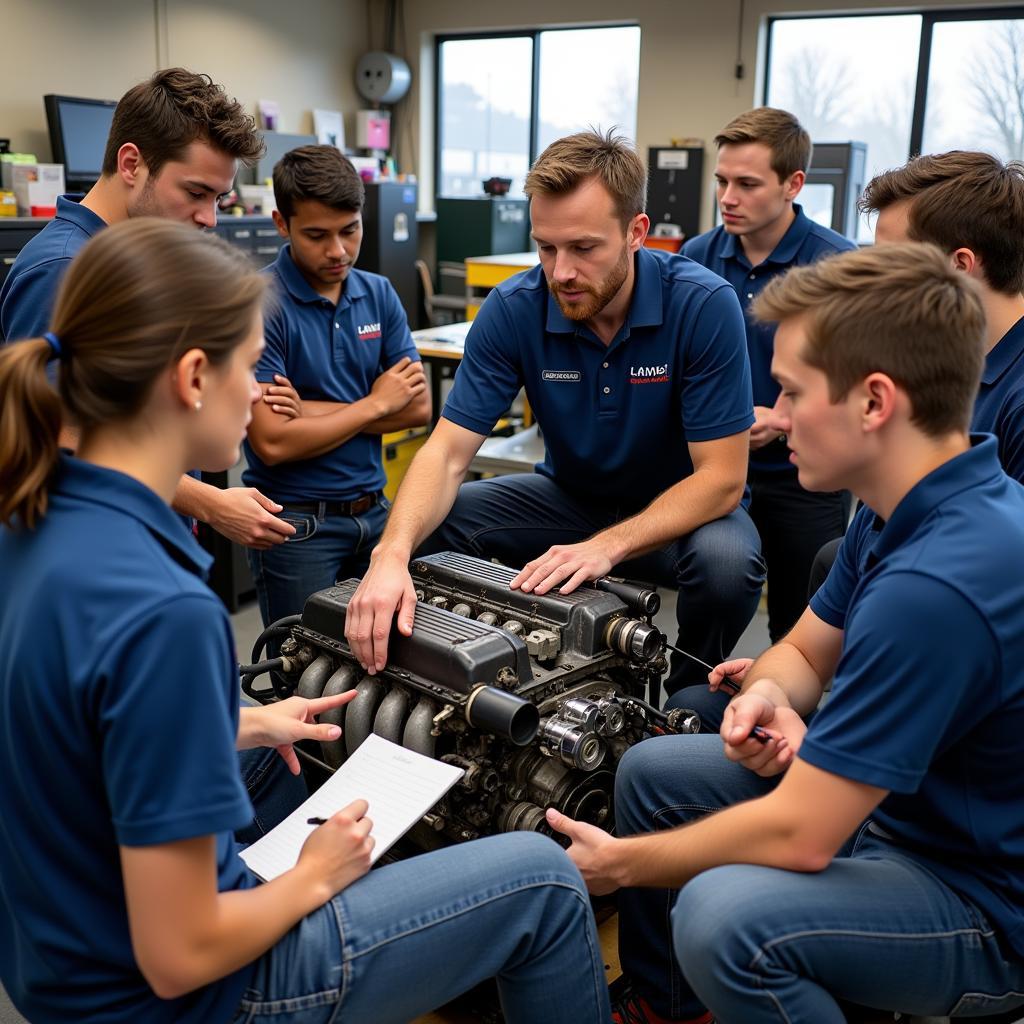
<point>536,697</point>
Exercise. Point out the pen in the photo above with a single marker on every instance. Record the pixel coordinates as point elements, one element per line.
<point>760,735</point>
<point>316,821</point>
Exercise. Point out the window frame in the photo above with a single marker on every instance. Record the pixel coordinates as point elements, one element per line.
<point>533,34</point>
<point>930,17</point>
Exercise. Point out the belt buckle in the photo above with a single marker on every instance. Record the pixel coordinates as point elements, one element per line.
<point>360,505</point>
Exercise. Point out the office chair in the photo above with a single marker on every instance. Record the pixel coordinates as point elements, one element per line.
<point>440,309</point>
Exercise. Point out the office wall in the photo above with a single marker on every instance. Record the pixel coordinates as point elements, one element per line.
<point>301,53</point>
<point>688,55</point>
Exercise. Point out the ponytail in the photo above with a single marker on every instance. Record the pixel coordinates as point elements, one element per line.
<point>30,418</point>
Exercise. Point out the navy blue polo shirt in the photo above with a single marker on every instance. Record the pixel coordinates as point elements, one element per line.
<point>119,698</point>
<point>999,407</point>
<point>29,292</point>
<point>804,242</point>
<point>333,354</point>
<point>928,696</point>
<point>999,410</point>
<point>615,419</point>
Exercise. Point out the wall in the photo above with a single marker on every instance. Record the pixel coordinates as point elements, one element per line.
<point>301,53</point>
<point>687,57</point>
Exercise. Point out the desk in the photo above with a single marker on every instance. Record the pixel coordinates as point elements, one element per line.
<point>519,453</point>
<point>441,349</point>
<point>484,272</point>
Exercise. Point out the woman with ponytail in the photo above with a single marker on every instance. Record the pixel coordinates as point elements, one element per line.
<point>122,896</point>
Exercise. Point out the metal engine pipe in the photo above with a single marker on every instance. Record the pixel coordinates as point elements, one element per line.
<point>503,714</point>
<point>313,679</point>
<point>419,727</point>
<point>359,714</point>
<point>343,680</point>
<point>390,717</point>
<point>523,817</point>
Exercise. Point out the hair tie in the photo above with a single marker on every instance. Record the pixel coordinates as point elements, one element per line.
<point>56,352</point>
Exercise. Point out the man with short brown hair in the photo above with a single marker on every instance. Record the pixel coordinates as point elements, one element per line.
<point>635,365</point>
<point>763,156</point>
<point>877,854</point>
<point>174,146</point>
<point>971,205</point>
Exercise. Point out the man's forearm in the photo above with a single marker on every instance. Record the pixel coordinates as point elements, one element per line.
<point>425,497</point>
<point>785,677</point>
<point>748,833</point>
<point>194,498</point>
<point>306,437</point>
<point>413,415</point>
<point>680,510</point>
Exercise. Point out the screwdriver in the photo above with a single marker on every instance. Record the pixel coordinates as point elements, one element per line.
<point>727,684</point>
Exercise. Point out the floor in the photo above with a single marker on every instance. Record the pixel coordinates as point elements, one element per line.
<point>247,626</point>
<point>246,623</point>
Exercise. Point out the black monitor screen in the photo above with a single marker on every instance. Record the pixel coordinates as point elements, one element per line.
<point>78,134</point>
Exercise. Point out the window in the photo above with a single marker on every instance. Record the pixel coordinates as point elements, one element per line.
<point>486,87</point>
<point>904,83</point>
<point>492,121</point>
<point>849,79</point>
<point>976,88</point>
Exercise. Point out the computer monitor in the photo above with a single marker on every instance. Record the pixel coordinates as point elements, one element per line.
<point>840,166</point>
<point>78,137</point>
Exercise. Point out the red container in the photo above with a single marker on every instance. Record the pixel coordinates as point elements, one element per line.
<point>42,211</point>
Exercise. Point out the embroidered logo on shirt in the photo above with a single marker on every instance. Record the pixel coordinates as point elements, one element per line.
<point>367,332</point>
<point>648,374</point>
<point>570,375</point>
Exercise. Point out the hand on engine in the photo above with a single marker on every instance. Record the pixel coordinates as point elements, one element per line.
<point>281,724</point>
<point>590,851</point>
<point>338,851</point>
<point>385,593</point>
<point>783,726</point>
<point>567,565</point>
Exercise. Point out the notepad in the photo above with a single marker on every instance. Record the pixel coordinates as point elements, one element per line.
<point>399,785</point>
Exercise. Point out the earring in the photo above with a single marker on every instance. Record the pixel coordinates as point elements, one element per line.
<point>198,405</point>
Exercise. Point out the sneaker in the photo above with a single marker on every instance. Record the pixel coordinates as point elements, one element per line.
<point>629,1007</point>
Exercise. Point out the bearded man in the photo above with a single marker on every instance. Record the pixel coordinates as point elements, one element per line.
<point>635,364</point>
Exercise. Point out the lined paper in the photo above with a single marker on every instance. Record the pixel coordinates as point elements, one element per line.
<point>399,785</point>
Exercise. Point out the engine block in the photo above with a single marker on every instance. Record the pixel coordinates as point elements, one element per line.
<point>536,697</point>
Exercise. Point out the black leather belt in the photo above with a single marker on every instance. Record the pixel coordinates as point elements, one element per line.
<point>354,507</point>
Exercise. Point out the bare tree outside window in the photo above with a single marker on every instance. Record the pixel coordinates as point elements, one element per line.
<point>819,87</point>
<point>849,79</point>
<point>997,82</point>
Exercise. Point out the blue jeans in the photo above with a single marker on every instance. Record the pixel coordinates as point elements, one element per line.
<point>793,524</point>
<point>273,790</point>
<point>323,549</point>
<point>410,936</point>
<point>760,945</point>
<point>717,568</point>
